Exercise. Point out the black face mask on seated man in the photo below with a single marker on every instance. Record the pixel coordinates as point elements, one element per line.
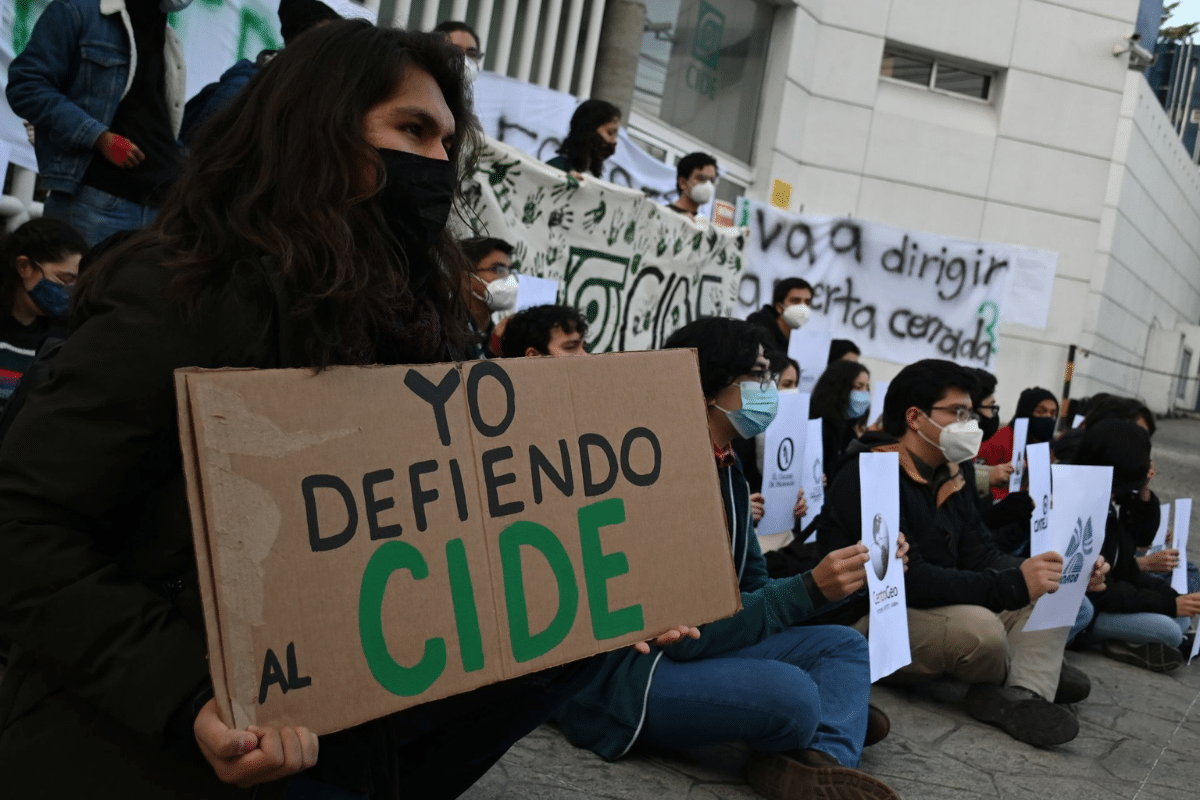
<point>1041,429</point>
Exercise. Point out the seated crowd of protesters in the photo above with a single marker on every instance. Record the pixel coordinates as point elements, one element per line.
<point>240,259</point>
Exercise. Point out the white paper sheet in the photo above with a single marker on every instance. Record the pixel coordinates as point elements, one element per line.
<point>1075,423</point>
<point>1020,435</point>
<point>1164,524</point>
<point>1077,523</point>
<point>1040,490</point>
<point>879,474</point>
<point>534,291</point>
<point>809,346</point>
<point>783,463</point>
<point>1183,520</point>
<point>812,479</point>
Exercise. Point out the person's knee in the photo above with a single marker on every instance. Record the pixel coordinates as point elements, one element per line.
<point>794,701</point>
<point>975,635</point>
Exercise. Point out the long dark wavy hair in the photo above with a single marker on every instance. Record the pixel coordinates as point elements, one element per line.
<point>578,147</point>
<point>279,173</point>
<point>831,394</point>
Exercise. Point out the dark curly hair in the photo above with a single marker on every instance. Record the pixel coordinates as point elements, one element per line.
<point>725,348</point>
<point>533,326</point>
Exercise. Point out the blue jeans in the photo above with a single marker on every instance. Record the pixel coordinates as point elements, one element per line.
<point>1082,619</point>
<point>807,687</point>
<point>96,214</point>
<point>1193,577</point>
<point>1140,628</point>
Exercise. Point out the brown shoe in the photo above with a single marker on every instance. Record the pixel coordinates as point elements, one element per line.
<point>811,775</point>
<point>878,726</point>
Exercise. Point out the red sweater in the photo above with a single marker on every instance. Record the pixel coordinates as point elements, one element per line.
<point>998,450</point>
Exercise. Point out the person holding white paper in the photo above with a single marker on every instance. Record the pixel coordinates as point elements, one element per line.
<point>1041,407</point>
<point>797,694</point>
<point>1139,618</point>
<point>967,600</point>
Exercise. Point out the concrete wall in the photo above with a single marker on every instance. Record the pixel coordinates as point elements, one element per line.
<point>1044,163</point>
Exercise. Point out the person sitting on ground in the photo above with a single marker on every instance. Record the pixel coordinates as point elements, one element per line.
<point>1009,519</point>
<point>843,349</point>
<point>967,601</point>
<point>695,180</point>
<point>39,262</point>
<point>1139,618</point>
<point>984,399</point>
<point>1040,406</point>
<point>797,695</point>
<point>548,330</point>
<point>591,139</point>
<point>490,287</point>
<point>464,37</point>
<point>122,101</point>
<point>263,257</point>
<point>295,17</point>
<point>841,399</point>
<point>1103,406</point>
<point>791,302</point>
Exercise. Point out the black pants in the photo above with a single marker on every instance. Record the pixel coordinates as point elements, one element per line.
<point>438,750</point>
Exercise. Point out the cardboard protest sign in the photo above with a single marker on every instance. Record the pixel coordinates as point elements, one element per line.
<point>1183,521</point>
<point>373,538</point>
<point>1040,491</point>
<point>900,295</point>
<point>812,479</point>
<point>636,270</point>
<point>879,475</point>
<point>809,347</point>
<point>1020,437</point>
<point>1077,524</point>
<point>783,463</point>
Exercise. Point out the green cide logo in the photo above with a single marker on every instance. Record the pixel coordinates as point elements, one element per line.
<point>710,30</point>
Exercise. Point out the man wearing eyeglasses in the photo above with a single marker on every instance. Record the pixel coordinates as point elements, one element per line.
<point>490,287</point>
<point>968,601</point>
<point>464,37</point>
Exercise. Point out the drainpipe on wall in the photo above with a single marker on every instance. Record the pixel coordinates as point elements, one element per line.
<point>620,45</point>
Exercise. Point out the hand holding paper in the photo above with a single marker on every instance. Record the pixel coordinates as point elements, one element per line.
<point>1042,573</point>
<point>841,574</point>
<point>1099,573</point>
<point>1187,604</point>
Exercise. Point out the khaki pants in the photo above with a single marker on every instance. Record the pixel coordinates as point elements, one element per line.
<point>975,645</point>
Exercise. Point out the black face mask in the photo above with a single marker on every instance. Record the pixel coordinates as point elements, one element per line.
<point>416,198</point>
<point>1041,429</point>
<point>989,426</point>
<point>602,149</point>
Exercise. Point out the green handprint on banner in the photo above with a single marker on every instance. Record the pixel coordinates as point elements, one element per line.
<point>593,216</point>
<point>630,231</point>
<point>533,208</point>
<point>565,190</point>
<point>518,256</point>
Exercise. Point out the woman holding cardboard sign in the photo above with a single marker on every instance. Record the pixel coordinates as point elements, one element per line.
<point>796,694</point>
<point>307,230</point>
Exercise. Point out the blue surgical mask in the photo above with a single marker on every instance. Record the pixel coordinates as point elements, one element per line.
<point>51,297</point>
<point>759,407</point>
<point>860,403</point>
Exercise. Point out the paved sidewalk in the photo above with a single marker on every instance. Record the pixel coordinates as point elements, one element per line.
<point>1139,735</point>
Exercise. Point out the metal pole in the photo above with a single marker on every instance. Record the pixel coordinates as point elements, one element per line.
<point>549,44</point>
<point>483,23</point>
<point>503,49</point>
<point>591,46</point>
<point>1068,373</point>
<point>529,37</point>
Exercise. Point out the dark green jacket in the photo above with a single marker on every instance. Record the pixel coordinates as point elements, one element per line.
<point>98,584</point>
<point>607,715</point>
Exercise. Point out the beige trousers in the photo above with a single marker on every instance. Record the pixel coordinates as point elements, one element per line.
<point>975,645</point>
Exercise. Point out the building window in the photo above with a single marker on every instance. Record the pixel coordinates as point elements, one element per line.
<point>1185,366</point>
<point>701,68</point>
<point>936,73</point>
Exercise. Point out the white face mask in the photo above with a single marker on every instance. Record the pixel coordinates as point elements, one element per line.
<point>796,316</point>
<point>473,69</point>
<point>958,442</point>
<point>701,193</point>
<point>500,294</point>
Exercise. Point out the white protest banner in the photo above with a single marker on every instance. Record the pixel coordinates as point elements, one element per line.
<point>783,463</point>
<point>535,119</point>
<point>812,480</point>
<point>635,270</point>
<point>1164,525</point>
<point>809,347</point>
<point>900,295</point>
<point>878,395</point>
<point>1041,492</point>
<point>534,291</point>
<point>1020,437</point>
<point>1183,521</point>
<point>1077,523</point>
<point>879,476</point>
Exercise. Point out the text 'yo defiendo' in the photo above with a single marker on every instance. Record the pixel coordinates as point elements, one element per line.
<point>467,523</point>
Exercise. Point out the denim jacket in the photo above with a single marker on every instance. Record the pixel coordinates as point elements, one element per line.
<point>76,69</point>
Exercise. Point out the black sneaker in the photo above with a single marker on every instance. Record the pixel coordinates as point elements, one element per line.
<point>1024,715</point>
<point>1155,657</point>
<point>1073,685</point>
